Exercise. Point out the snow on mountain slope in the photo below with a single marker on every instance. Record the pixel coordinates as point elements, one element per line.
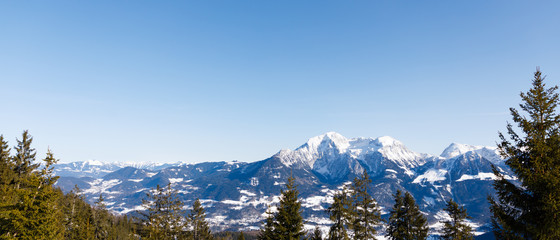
<point>332,152</point>
<point>456,149</point>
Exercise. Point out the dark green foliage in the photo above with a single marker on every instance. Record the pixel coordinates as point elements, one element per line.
<point>316,235</point>
<point>164,218</point>
<point>24,159</point>
<point>101,219</point>
<point>267,232</point>
<point>338,214</point>
<point>78,214</point>
<point>241,236</point>
<point>456,228</point>
<point>32,208</point>
<point>6,165</point>
<point>32,211</point>
<point>530,209</point>
<point>364,214</point>
<point>406,222</point>
<point>199,229</point>
<point>288,222</point>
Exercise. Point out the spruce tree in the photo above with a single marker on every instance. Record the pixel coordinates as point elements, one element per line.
<point>530,209</point>
<point>241,236</point>
<point>198,224</point>
<point>165,216</point>
<point>317,234</point>
<point>338,214</point>
<point>36,214</point>
<point>6,189</point>
<point>406,222</point>
<point>6,166</point>
<point>78,216</point>
<point>288,222</point>
<point>456,228</point>
<point>267,231</point>
<point>101,219</point>
<point>365,213</point>
<point>24,160</point>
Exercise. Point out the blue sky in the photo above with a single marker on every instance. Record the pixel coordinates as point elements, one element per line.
<point>222,80</point>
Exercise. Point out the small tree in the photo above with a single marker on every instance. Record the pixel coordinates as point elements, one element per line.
<point>365,214</point>
<point>288,222</point>
<point>456,228</point>
<point>267,231</point>
<point>317,234</point>
<point>101,219</point>
<point>199,226</point>
<point>241,236</point>
<point>165,216</point>
<point>338,214</point>
<point>406,222</point>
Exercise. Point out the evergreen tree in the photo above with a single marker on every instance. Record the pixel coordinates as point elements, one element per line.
<point>164,219</point>
<point>406,222</point>
<point>456,228</point>
<point>530,209</point>
<point>101,219</point>
<point>24,159</point>
<point>6,168</point>
<point>78,216</point>
<point>267,232</point>
<point>241,236</point>
<point>198,224</point>
<point>317,234</point>
<point>35,214</point>
<point>6,190</point>
<point>338,214</point>
<point>364,212</point>
<point>288,222</point>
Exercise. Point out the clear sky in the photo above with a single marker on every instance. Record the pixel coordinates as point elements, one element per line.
<point>222,80</point>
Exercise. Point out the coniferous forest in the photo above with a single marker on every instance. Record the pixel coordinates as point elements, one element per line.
<point>32,207</point>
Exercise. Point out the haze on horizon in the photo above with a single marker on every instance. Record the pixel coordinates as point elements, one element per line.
<point>240,80</point>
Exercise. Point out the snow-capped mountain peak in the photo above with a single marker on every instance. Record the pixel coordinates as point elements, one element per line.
<point>334,151</point>
<point>457,149</point>
<point>326,141</point>
<point>388,141</point>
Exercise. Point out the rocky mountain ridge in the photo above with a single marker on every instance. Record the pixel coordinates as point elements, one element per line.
<point>236,194</point>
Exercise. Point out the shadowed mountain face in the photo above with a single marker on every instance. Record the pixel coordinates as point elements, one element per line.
<point>236,194</point>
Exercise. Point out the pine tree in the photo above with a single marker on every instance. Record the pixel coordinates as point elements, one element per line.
<point>101,219</point>
<point>6,168</point>
<point>164,219</point>
<point>338,214</point>
<point>24,159</point>
<point>267,231</point>
<point>365,214</point>
<point>406,222</point>
<point>6,190</point>
<point>198,224</point>
<point>288,222</point>
<point>456,228</point>
<point>78,216</point>
<point>36,214</point>
<point>530,209</point>
<point>317,234</point>
<point>241,236</point>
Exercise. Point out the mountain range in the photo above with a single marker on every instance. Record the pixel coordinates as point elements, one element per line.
<point>236,194</point>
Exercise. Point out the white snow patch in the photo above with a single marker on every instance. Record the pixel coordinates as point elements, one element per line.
<point>175,180</point>
<point>480,175</point>
<point>432,175</point>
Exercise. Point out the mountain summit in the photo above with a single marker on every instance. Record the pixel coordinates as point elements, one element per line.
<point>236,194</point>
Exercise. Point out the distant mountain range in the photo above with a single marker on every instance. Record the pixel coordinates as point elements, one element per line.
<point>236,194</point>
